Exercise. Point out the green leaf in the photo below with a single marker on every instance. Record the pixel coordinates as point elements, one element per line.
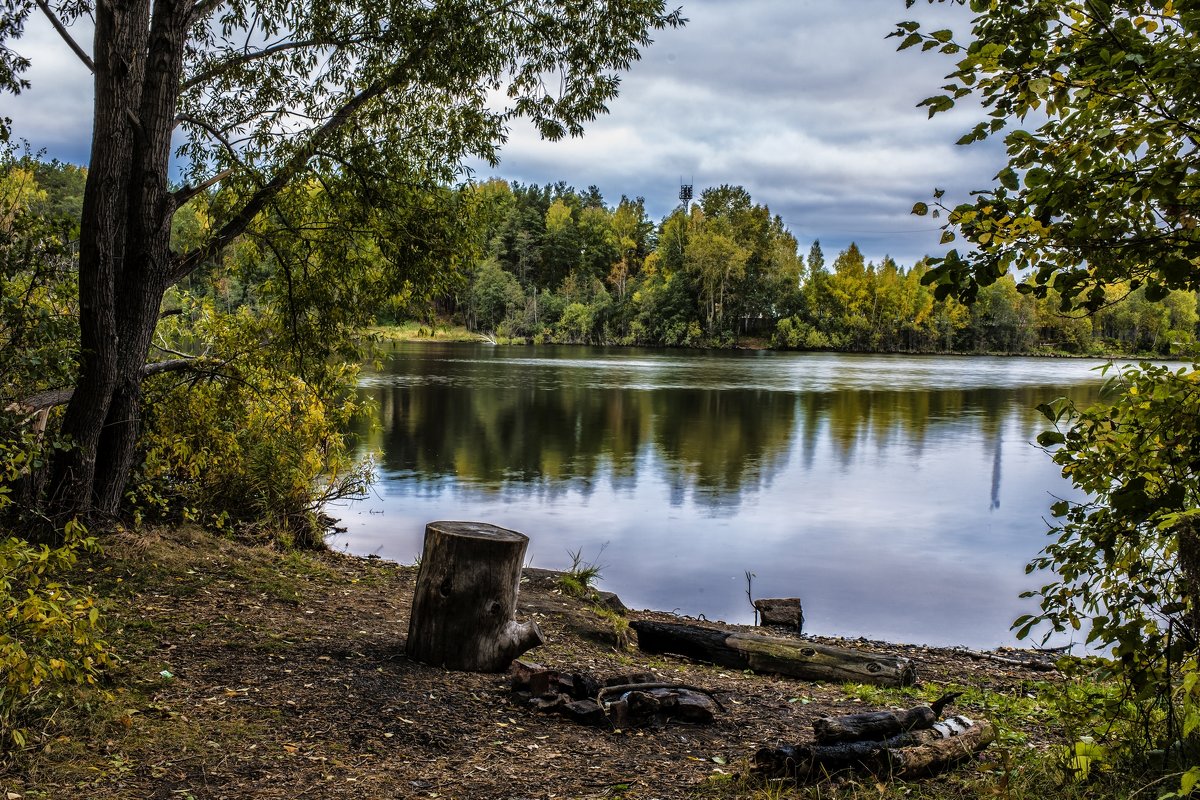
<point>1050,438</point>
<point>1156,292</point>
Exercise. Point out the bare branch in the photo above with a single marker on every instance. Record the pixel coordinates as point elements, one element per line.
<point>40,401</point>
<point>185,193</point>
<point>66,36</point>
<point>249,57</point>
<point>60,397</point>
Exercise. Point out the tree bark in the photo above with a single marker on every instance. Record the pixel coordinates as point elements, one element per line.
<point>148,264</point>
<point>125,260</point>
<point>794,658</point>
<point>1188,547</point>
<point>121,31</point>
<point>466,598</point>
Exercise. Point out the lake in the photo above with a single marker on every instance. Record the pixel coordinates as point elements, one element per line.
<point>899,496</point>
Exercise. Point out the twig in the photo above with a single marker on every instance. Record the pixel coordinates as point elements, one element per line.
<point>750,576</point>
<point>1036,666</point>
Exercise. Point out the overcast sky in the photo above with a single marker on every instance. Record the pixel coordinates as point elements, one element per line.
<point>803,102</point>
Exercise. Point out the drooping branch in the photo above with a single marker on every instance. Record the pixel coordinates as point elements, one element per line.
<point>66,36</point>
<point>212,131</point>
<point>60,397</point>
<point>241,59</point>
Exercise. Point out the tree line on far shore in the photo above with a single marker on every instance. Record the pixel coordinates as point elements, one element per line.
<point>552,264</point>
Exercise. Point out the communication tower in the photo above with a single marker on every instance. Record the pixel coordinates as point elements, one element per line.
<point>685,195</point>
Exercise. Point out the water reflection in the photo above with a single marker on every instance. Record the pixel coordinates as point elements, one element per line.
<point>854,481</point>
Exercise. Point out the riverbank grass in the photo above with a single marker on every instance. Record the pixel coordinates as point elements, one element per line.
<point>413,331</point>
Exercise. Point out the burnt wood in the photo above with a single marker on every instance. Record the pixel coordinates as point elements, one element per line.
<point>878,725</point>
<point>905,755</point>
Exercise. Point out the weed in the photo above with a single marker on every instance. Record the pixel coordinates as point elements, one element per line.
<point>617,624</point>
<point>578,579</point>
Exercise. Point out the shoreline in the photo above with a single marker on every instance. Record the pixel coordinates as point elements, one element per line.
<point>460,335</point>
<point>250,673</point>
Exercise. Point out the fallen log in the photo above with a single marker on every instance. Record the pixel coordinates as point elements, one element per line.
<point>879,725</point>
<point>793,658</point>
<point>1023,663</point>
<point>905,755</point>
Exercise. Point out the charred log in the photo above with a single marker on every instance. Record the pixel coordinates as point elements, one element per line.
<point>906,755</point>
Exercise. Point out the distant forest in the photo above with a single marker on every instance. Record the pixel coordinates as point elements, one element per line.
<point>558,265</point>
<point>550,264</point>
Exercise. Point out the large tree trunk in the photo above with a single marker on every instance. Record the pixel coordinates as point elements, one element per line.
<point>121,31</point>
<point>794,658</point>
<point>148,265</point>
<point>124,257</point>
<point>466,597</point>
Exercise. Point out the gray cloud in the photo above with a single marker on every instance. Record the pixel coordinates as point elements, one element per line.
<point>806,104</point>
<point>803,102</point>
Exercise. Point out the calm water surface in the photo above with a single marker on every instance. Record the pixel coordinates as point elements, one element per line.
<point>898,496</point>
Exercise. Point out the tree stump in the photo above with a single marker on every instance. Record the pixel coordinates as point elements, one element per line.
<point>466,599</point>
<point>785,611</point>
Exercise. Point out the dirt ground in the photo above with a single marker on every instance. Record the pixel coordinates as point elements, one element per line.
<point>253,674</point>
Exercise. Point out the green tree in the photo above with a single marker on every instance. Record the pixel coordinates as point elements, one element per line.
<point>1099,201</point>
<point>493,297</point>
<point>383,95</point>
<point>631,230</point>
<point>848,299</point>
<point>1002,319</point>
<point>1105,189</point>
<point>717,261</point>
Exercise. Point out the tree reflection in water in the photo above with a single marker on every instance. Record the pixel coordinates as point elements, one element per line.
<point>817,471</point>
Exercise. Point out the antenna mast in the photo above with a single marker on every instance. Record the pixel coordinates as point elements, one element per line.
<point>685,196</point>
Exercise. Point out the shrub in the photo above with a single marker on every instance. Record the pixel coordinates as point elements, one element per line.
<point>1125,560</point>
<point>49,631</point>
<point>252,445</point>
